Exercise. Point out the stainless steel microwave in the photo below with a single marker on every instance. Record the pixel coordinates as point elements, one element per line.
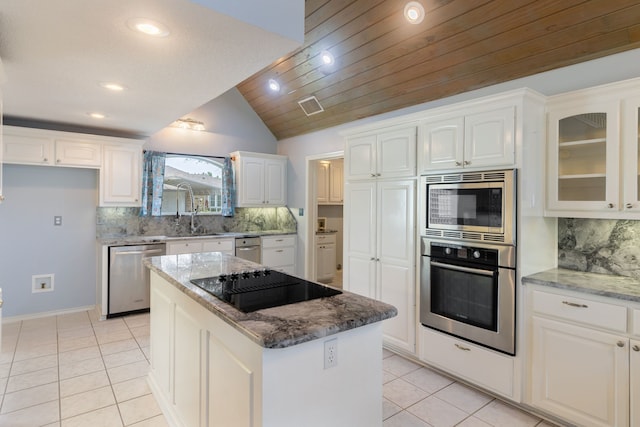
<point>477,206</point>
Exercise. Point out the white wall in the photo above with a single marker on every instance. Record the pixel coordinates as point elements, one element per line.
<point>31,245</point>
<point>231,125</point>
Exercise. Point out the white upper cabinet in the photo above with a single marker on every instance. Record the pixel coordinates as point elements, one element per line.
<point>78,153</point>
<point>1,139</point>
<point>592,153</point>
<point>121,175</point>
<point>261,179</point>
<point>384,154</point>
<point>24,147</point>
<point>465,140</point>
<point>330,176</point>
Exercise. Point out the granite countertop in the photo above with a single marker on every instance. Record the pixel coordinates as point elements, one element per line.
<point>133,240</point>
<point>619,287</point>
<point>276,327</point>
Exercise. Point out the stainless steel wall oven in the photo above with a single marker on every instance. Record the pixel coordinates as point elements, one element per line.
<point>468,290</point>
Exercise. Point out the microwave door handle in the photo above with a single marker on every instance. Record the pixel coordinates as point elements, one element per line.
<point>489,273</point>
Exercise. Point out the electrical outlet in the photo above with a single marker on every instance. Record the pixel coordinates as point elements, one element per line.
<point>57,220</point>
<point>330,353</point>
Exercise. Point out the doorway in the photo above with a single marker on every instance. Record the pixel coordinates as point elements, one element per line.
<point>325,218</point>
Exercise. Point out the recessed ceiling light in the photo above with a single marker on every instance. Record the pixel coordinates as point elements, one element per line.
<point>96,115</point>
<point>326,57</point>
<point>414,12</point>
<point>148,27</point>
<point>115,87</point>
<point>274,85</point>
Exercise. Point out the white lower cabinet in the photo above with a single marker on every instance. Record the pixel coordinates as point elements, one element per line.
<point>380,252</point>
<point>480,366</point>
<point>583,365</point>
<point>325,257</point>
<point>279,252</point>
<point>190,246</point>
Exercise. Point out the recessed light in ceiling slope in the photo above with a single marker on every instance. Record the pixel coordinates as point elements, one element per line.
<point>327,58</point>
<point>274,85</point>
<point>414,12</point>
<point>96,115</point>
<point>148,27</point>
<point>112,86</point>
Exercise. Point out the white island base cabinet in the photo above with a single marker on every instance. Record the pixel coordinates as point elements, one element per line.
<point>205,372</point>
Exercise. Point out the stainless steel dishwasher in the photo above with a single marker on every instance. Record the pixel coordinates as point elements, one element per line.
<point>248,248</point>
<point>129,289</point>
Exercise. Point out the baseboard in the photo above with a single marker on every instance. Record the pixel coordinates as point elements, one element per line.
<point>165,406</point>
<point>13,319</point>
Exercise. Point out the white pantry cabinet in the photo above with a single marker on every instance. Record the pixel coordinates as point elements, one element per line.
<point>380,251</point>
<point>189,246</point>
<point>481,139</point>
<point>279,252</point>
<point>592,153</point>
<point>583,363</point>
<point>261,179</point>
<point>388,153</point>
<point>121,175</point>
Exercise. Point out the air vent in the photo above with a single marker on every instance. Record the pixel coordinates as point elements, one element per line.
<point>494,238</point>
<point>497,176</point>
<point>451,234</point>
<point>432,179</point>
<point>310,106</point>
<point>472,236</point>
<point>452,178</point>
<point>472,177</point>
<point>433,233</point>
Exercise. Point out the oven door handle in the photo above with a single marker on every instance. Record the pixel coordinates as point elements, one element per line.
<point>489,273</point>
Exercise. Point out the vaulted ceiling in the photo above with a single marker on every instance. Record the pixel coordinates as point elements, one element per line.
<point>383,63</point>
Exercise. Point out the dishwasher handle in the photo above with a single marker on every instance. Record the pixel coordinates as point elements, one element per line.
<point>142,252</point>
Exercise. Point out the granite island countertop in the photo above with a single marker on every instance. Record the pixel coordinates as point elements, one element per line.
<point>276,327</point>
<point>619,287</point>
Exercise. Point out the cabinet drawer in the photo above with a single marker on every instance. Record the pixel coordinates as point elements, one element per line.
<point>274,257</point>
<point>603,315</point>
<point>278,241</point>
<point>218,245</point>
<point>324,239</point>
<point>475,364</point>
<point>177,248</point>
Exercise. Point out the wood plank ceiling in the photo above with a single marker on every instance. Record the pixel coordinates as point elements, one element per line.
<point>383,63</point>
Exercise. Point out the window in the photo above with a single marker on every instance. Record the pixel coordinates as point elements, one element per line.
<point>192,182</point>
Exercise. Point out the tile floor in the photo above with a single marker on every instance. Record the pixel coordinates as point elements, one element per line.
<point>72,370</point>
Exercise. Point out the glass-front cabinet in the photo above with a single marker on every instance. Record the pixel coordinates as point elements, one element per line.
<point>631,155</point>
<point>583,165</point>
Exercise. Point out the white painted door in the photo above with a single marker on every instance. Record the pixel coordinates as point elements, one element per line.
<point>442,144</point>
<point>489,138</point>
<point>360,157</point>
<point>634,382</point>
<point>275,182</point>
<point>120,176</point>
<point>580,374</point>
<point>360,215</point>
<point>396,153</point>
<point>395,260</point>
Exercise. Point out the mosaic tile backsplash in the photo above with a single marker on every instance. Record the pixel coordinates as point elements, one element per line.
<point>120,222</point>
<point>600,246</point>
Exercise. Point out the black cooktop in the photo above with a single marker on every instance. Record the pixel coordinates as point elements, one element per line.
<point>263,288</point>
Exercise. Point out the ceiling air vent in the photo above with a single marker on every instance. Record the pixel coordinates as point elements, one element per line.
<point>311,106</point>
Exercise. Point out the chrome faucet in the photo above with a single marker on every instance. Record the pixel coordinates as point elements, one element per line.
<point>194,211</point>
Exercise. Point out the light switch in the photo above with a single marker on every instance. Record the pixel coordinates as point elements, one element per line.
<point>57,220</point>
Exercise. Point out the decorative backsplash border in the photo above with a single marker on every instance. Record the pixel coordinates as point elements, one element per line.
<point>600,246</point>
<point>121,222</point>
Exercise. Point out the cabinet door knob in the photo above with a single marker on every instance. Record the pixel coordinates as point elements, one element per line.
<point>635,348</point>
<point>629,205</point>
<point>58,161</point>
<point>620,344</point>
<point>467,162</point>
<point>372,259</point>
<point>611,205</point>
<point>373,175</point>
<point>458,164</point>
<point>45,159</point>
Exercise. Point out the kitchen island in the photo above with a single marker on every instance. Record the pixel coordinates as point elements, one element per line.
<point>213,365</point>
